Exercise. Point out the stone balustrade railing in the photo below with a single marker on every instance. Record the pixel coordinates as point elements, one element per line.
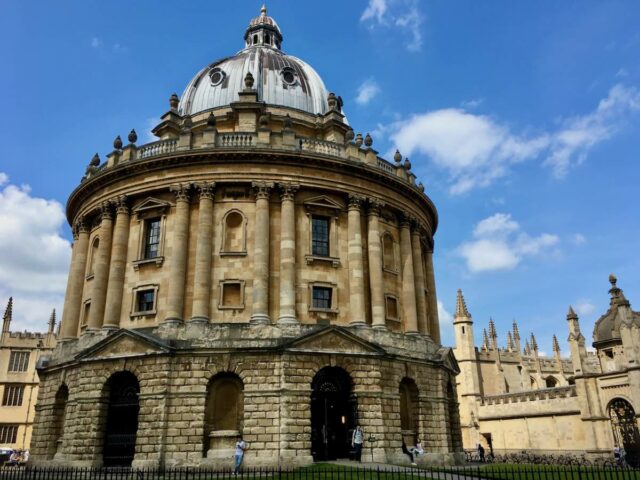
<point>160,147</point>
<point>236,140</point>
<point>323,147</point>
<point>531,395</point>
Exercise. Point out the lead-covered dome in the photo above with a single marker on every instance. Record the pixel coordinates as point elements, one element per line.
<point>279,79</point>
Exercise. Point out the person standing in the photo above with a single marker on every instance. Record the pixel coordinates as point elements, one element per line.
<point>481,453</point>
<point>357,441</point>
<point>241,446</point>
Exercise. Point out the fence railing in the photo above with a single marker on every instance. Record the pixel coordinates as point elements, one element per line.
<point>330,472</point>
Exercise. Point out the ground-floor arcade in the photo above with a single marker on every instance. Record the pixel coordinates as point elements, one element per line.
<point>131,399</point>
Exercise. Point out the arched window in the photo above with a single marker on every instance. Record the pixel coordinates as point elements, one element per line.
<point>224,412</point>
<point>388,252</point>
<point>234,233</point>
<point>534,384</point>
<point>551,382</point>
<point>121,423</point>
<point>93,255</point>
<point>267,39</point>
<point>409,411</point>
<point>57,424</point>
<point>625,428</point>
<point>255,39</point>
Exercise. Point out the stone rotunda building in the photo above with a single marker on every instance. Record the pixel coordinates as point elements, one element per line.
<point>258,270</point>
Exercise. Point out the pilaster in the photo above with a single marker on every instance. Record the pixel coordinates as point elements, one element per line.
<point>204,242</point>
<point>260,311</point>
<point>101,269</point>
<point>117,265</point>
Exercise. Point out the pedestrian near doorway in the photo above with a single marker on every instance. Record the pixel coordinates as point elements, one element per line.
<point>481,453</point>
<point>241,446</point>
<point>357,441</point>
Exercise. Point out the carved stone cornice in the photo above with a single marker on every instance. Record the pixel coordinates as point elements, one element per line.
<point>262,190</point>
<point>355,201</point>
<point>374,206</point>
<point>288,191</point>
<point>181,191</point>
<point>122,205</point>
<point>206,190</point>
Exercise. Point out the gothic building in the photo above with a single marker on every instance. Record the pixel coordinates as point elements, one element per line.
<point>257,270</point>
<point>514,398</point>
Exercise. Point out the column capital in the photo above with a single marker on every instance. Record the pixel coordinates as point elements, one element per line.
<point>262,190</point>
<point>105,211</point>
<point>181,191</point>
<point>374,206</point>
<point>206,190</point>
<point>406,221</point>
<point>355,201</point>
<point>417,227</point>
<point>122,204</point>
<point>288,190</point>
<point>80,226</point>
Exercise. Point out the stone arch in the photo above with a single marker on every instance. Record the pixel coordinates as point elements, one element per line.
<point>551,381</point>
<point>625,428</point>
<point>234,233</point>
<point>93,255</point>
<point>58,416</point>
<point>409,410</point>
<point>224,414</point>
<point>389,252</point>
<point>118,421</point>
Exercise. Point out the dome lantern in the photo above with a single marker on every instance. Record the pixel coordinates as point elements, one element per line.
<point>263,31</point>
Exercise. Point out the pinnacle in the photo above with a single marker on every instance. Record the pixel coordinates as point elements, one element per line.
<point>8,313</point>
<point>571,313</point>
<point>492,328</point>
<point>461,306</point>
<point>516,333</point>
<point>485,340</point>
<point>534,344</point>
<point>556,345</point>
<point>52,320</point>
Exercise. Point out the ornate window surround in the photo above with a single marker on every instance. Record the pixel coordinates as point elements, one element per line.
<point>334,297</point>
<point>392,269</point>
<point>134,301</point>
<point>323,206</point>
<point>223,229</point>
<point>146,210</point>
<point>231,281</point>
<point>387,297</point>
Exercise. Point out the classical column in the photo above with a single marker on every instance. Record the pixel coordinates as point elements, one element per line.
<point>408,279</point>
<point>376,280</point>
<point>75,282</point>
<point>117,266</point>
<point>179,247</point>
<point>432,299</point>
<point>418,272</point>
<point>101,269</point>
<point>356,266</point>
<point>202,277</point>
<point>287,255</point>
<point>260,312</point>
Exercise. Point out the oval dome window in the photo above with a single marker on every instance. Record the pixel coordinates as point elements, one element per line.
<point>217,76</point>
<point>288,76</point>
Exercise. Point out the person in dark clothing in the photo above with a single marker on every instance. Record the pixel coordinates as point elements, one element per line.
<point>481,453</point>
<point>406,451</point>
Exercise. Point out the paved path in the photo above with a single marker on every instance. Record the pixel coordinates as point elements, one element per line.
<point>386,467</point>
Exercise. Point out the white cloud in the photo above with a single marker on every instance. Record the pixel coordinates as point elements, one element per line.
<point>397,15</point>
<point>150,124</point>
<point>471,104</point>
<point>445,320</point>
<point>367,91</point>
<point>579,239</point>
<point>499,244</point>
<point>584,307</point>
<point>96,42</point>
<point>475,150</point>
<point>622,73</point>
<point>36,257</point>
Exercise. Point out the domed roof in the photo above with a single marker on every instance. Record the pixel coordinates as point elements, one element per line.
<point>607,327</point>
<point>280,79</point>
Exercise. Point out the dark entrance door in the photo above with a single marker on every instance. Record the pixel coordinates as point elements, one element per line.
<point>625,429</point>
<point>122,420</point>
<point>333,414</point>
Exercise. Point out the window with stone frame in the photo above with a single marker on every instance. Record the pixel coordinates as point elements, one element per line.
<point>320,236</point>
<point>151,246</point>
<point>392,307</point>
<point>93,256</point>
<point>231,295</point>
<point>19,361</point>
<point>322,298</point>
<point>389,263</point>
<point>86,310</point>
<point>144,300</point>
<point>234,227</point>
<point>8,433</point>
<point>13,395</point>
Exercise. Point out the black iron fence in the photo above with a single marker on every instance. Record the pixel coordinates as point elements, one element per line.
<point>331,472</point>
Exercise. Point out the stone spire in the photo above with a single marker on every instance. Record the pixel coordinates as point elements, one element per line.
<point>556,345</point>
<point>516,337</point>
<point>485,340</point>
<point>527,348</point>
<point>493,335</point>
<point>461,306</point>
<point>52,321</point>
<point>576,342</point>
<point>534,344</point>
<point>509,342</point>
<point>8,316</point>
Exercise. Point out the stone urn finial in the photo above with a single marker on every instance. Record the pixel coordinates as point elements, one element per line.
<point>133,136</point>
<point>287,124</point>
<point>117,143</point>
<point>187,123</point>
<point>368,141</point>
<point>211,120</point>
<point>95,161</point>
<point>397,157</point>
<point>407,164</point>
<point>248,80</point>
<point>174,101</point>
<point>350,135</point>
<point>263,120</point>
<point>332,101</point>
<point>358,140</point>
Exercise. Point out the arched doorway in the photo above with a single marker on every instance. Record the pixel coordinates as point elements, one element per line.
<point>122,419</point>
<point>625,429</point>
<point>334,414</point>
<point>224,413</point>
<point>59,414</point>
<point>409,411</point>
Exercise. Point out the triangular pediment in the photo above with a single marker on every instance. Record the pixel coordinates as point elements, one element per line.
<point>322,201</point>
<point>151,203</point>
<point>122,344</point>
<point>334,340</point>
<point>449,359</point>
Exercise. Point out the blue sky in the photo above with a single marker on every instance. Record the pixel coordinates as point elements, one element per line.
<point>521,118</point>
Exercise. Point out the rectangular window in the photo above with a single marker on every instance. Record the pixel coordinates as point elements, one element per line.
<point>13,395</point>
<point>19,361</point>
<point>322,298</point>
<point>8,433</point>
<point>151,238</point>
<point>85,313</point>
<point>145,300</point>
<point>392,308</point>
<point>231,295</point>
<point>320,236</point>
